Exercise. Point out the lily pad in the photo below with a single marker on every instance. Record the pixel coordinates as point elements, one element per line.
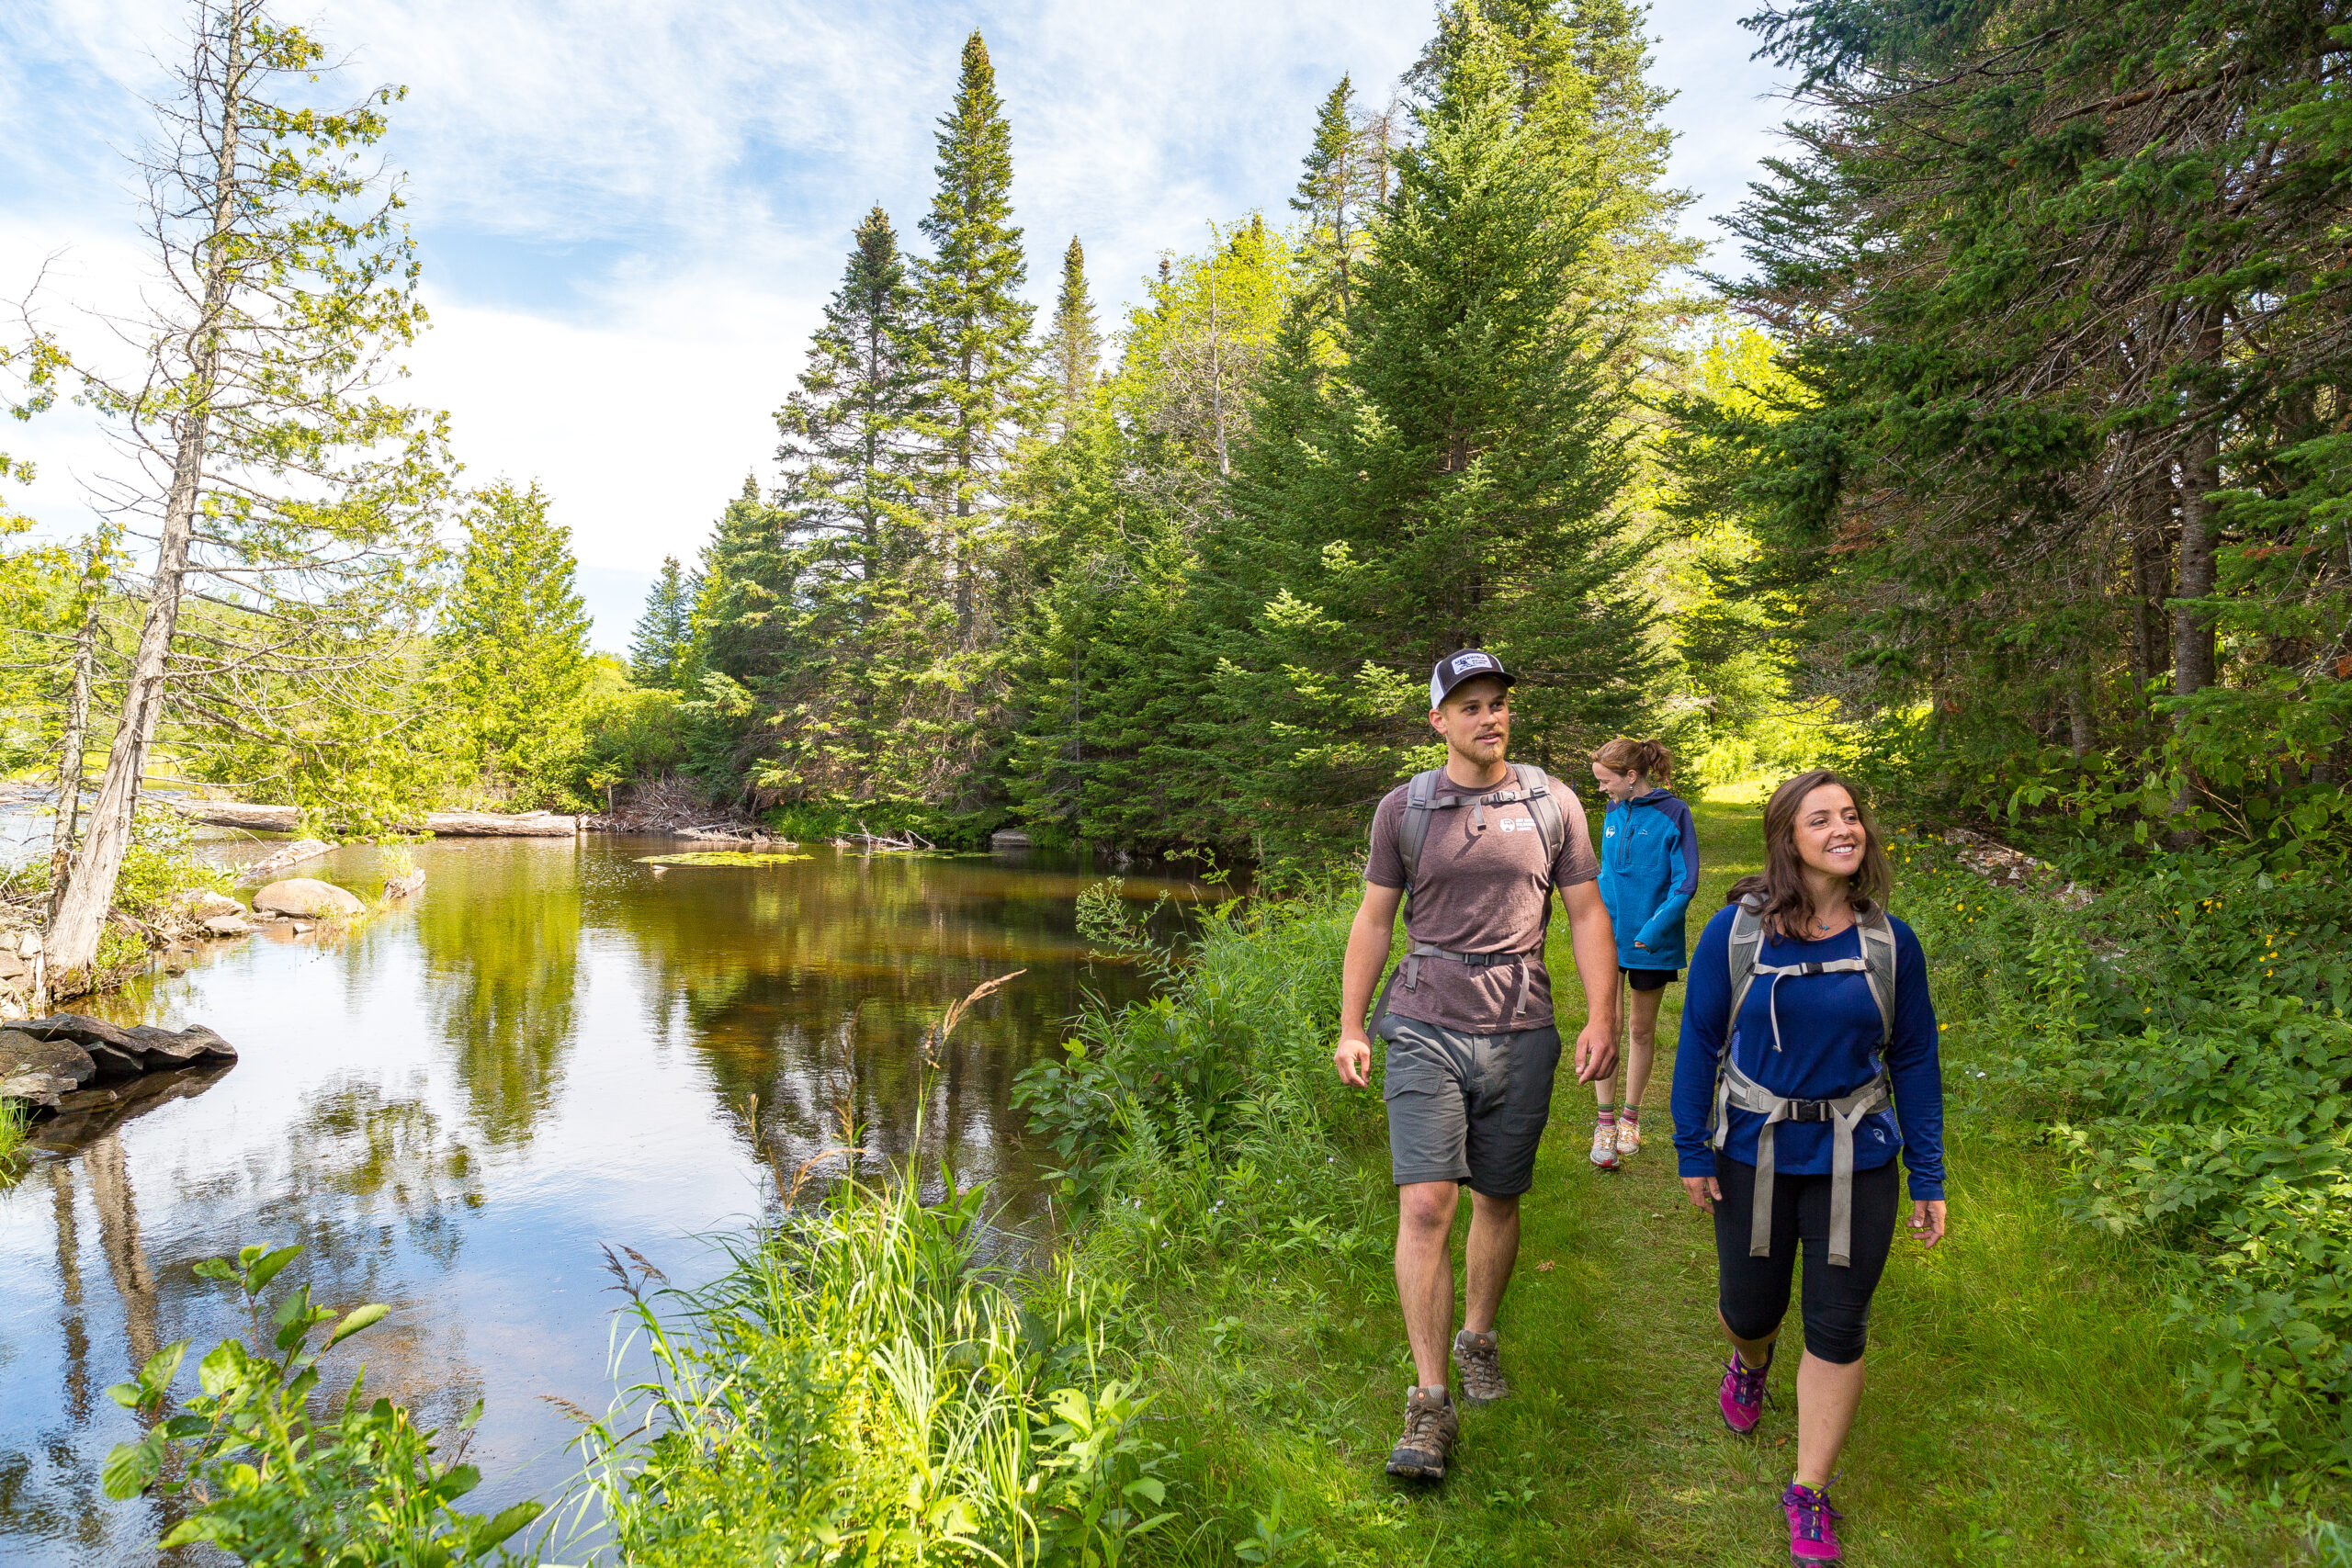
<point>720,857</point>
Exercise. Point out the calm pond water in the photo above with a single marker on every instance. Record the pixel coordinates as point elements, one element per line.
<point>458,1107</point>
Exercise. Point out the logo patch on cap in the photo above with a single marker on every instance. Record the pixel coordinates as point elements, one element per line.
<point>1472,661</point>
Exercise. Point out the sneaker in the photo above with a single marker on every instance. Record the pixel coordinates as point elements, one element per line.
<point>1430,1426</point>
<point>1812,1526</point>
<point>1629,1137</point>
<point>1742,1395</point>
<point>1604,1147</point>
<point>1479,1359</point>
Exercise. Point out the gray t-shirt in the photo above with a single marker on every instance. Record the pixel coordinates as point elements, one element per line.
<point>1481,890</point>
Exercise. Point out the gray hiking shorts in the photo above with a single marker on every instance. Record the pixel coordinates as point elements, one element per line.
<point>1467,1108</point>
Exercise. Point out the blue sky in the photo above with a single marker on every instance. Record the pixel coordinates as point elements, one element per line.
<point>630,212</point>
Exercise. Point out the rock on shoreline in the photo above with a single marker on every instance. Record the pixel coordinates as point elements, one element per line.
<point>43,1059</point>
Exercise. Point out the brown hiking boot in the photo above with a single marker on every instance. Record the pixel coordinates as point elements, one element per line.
<point>1430,1426</point>
<point>1479,1359</point>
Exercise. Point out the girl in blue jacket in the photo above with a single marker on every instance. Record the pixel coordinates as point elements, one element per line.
<point>1650,869</point>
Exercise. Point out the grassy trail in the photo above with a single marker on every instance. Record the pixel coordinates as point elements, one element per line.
<point>2012,1414</point>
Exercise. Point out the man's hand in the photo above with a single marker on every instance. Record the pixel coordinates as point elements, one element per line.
<point>1705,1191</point>
<point>1353,1058</point>
<point>1928,1220</point>
<point>1596,1051</point>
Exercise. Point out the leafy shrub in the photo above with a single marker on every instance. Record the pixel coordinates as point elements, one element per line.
<point>271,1482</point>
<point>2185,1037</point>
<point>1207,1120</point>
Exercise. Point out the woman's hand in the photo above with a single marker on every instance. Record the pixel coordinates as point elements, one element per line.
<point>1640,943</point>
<point>1705,1191</point>
<point>1926,1219</point>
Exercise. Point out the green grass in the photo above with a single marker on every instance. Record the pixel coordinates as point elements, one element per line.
<point>2020,1409</point>
<point>15,1127</point>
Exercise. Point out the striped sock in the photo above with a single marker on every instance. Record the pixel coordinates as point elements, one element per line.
<point>1608,1117</point>
<point>1632,1113</point>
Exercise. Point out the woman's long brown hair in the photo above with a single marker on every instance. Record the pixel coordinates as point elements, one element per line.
<point>1787,906</point>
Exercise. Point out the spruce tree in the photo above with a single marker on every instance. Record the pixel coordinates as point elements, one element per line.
<point>513,638</point>
<point>1453,485</point>
<point>1335,186</point>
<point>975,326</point>
<point>846,427</point>
<point>663,647</point>
<point>1076,347</point>
<point>740,618</point>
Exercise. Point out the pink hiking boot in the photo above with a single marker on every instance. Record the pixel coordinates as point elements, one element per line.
<point>1742,1395</point>
<point>1812,1526</point>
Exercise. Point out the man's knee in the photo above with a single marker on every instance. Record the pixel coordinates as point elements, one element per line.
<point>1494,1210</point>
<point>1427,1205</point>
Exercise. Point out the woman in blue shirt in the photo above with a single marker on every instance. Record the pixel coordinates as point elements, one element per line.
<point>1650,868</point>
<point>1802,1079</point>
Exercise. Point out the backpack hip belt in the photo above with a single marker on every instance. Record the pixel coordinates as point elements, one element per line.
<point>1410,968</point>
<point>1735,1089</point>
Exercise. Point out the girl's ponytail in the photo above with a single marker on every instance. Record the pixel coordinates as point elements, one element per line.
<point>1648,758</point>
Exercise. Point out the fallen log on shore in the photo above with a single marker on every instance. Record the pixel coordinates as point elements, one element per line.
<point>236,814</point>
<point>494,825</point>
<point>443,824</point>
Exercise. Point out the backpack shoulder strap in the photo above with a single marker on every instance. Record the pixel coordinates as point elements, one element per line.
<point>1546,810</point>
<point>1413,830</point>
<point>1739,956</point>
<point>1878,951</point>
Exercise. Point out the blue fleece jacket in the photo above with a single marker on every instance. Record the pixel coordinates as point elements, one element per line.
<point>1829,1043</point>
<point>1650,868</point>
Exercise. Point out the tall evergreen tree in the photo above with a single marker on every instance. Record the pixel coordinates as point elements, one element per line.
<point>846,427</point>
<point>514,641</point>
<point>1336,185</point>
<point>974,324</point>
<point>1455,484</point>
<point>663,647</point>
<point>1076,347</point>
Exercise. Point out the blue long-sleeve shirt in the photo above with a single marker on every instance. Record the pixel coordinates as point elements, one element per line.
<point>1829,1048</point>
<point>1650,869</point>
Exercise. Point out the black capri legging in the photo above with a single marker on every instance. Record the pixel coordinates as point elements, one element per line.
<point>1754,1291</point>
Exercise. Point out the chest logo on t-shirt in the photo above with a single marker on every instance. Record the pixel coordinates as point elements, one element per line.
<point>1517,825</point>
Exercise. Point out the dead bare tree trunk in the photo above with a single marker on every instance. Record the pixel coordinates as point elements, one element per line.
<point>65,828</point>
<point>81,909</point>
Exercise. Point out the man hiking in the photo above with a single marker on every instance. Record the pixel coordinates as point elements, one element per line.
<point>1474,849</point>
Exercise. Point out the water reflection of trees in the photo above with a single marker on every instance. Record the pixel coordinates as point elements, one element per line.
<point>500,929</point>
<point>810,985</point>
<point>357,1168</point>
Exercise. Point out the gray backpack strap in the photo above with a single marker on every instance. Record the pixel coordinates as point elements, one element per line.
<point>1412,833</point>
<point>1739,963</point>
<point>1541,806</point>
<point>1413,830</point>
<point>1878,951</point>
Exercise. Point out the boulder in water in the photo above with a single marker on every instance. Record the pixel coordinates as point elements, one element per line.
<point>309,896</point>
<point>41,1070</point>
<point>160,1048</point>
